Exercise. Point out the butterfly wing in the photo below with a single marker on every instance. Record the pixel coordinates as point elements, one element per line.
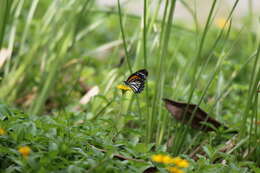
<point>137,86</point>
<point>141,74</point>
<point>137,80</point>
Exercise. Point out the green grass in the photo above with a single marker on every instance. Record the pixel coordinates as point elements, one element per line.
<point>61,49</point>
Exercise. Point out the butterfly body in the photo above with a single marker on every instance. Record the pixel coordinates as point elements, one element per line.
<point>136,81</point>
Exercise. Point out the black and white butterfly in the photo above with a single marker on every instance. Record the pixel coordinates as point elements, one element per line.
<point>136,81</point>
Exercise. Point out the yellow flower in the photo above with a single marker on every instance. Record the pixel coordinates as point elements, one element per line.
<point>221,22</point>
<point>123,87</point>
<point>176,160</point>
<point>163,159</point>
<point>180,162</point>
<point>167,160</point>
<point>174,170</point>
<point>183,164</point>
<point>25,150</point>
<point>157,158</point>
<point>2,131</point>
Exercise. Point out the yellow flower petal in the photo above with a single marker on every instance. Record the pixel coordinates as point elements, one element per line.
<point>183,164</point>
<point>123,87</point>
<point>2,131</point>
<point>180,162</point>
<point>176,160</point>
<point>157,158</point>
<point>25,150</point>
<point>167,160</point>
<point>174,170</point>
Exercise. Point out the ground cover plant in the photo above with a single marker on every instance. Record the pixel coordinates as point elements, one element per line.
<point>64,106</point>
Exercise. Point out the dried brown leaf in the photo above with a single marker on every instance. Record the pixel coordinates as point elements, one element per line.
<point>200,118</point>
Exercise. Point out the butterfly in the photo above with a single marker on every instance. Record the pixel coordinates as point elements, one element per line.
<point>136,80</point>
